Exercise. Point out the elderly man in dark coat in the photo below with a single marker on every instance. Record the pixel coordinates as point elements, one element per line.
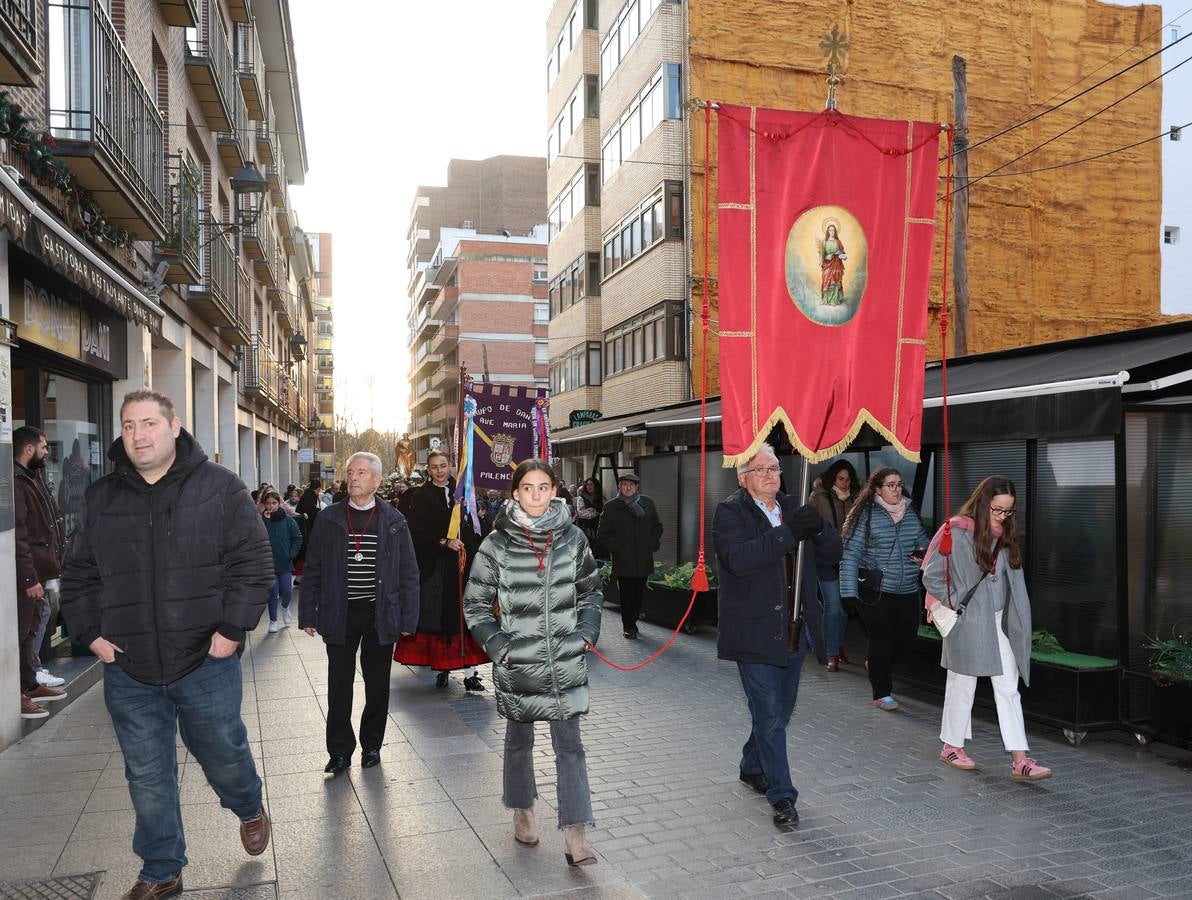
<point>756,533</point>
<point>631,531</point>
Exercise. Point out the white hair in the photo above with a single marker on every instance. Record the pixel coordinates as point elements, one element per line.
<point>374,461</point>
<point>743,465</point>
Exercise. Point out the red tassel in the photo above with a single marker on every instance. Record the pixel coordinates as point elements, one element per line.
<point>946,540</point>
<point>699,578</point>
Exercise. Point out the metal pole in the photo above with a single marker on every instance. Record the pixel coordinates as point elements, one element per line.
<point>797,621</point>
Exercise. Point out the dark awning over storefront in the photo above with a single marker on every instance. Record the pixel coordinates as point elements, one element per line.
<point>600,437</point>
<point>679,426</point>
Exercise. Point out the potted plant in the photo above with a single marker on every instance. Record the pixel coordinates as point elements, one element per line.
<point>612,596</point>
<point>668,593</point>
<point>1171,684</point>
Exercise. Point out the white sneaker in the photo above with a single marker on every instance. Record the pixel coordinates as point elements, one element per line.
<point>287,616</point>
<point>273,627</point>
<point>44,677</point>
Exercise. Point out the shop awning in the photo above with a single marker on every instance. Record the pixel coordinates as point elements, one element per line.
<point>1069,388</point>
<point>601,437</point>
<point>679,426</point>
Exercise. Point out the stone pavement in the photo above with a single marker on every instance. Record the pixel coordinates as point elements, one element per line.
<point>881,817</point>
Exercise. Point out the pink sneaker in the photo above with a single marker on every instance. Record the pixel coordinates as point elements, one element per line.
<point>956,758</point>
<point>1029,770</point>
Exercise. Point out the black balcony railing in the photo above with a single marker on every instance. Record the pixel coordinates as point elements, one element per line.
<point>262,374</point>
<point>182,244</point>
<point>97,98</point>
<point>218,278</point>
<point>21,18</point>
<point>208,51</point>
<point>250,68</point>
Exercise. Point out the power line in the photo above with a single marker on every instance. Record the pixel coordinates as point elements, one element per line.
<point>1070,129</point>
<point>1087,90</point>
<point>1096,156</point>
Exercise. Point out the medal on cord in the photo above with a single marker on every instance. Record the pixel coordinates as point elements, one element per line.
<point>359,557</point>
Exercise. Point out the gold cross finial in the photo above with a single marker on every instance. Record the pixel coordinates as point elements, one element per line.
<point>835,46</point>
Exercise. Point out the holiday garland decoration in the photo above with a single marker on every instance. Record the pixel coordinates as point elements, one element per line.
<point>37,150</point>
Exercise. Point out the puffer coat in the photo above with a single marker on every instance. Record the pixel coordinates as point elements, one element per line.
<point>158,568</point>
<point>540,667</point>
<point>877,542</point>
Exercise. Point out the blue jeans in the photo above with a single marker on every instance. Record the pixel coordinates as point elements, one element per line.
<point>771,692</point>
<point>204,706</point>
<point>835,618</point>
<point>283,586</point>
<point>571,767</point>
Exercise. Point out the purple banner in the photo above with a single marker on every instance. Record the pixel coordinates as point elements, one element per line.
<point>504,423</point>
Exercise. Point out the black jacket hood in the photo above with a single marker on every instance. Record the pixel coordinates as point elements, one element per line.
<point>187,456</point>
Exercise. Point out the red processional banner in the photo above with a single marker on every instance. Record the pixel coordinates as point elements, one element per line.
<point>827,224</point>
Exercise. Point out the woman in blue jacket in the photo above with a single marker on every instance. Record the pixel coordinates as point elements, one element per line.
<point>286,538</point>
<point>884,532</point>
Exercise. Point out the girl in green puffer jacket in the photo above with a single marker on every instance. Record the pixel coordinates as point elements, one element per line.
<point>532,602</point>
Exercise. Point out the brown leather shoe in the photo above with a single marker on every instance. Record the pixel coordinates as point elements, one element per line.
<point>31,710</point>
<point>254,833</point>
<point>45,694</point>
<point>840,655</point>
<point>147,890</point>
<point>833,663</point>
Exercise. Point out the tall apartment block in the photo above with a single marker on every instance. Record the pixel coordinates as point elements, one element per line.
<point>323,435</point>
<point>147,238</point>
<point>617,184</point>
<point>477,287</point>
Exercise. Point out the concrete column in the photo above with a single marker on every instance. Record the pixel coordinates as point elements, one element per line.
<point>205,412</point>
<point>171,368</point>
<point>248,455</point>
<point>10,677</point>
<point>225,391</point>
<point>140,369</point>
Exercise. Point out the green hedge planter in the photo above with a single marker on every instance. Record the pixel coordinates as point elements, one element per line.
<point>1071,691</point>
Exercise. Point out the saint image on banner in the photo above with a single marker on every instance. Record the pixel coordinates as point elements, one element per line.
<point>827,262</point>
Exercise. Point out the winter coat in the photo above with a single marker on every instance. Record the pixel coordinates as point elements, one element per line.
<point>438,564</point>
<point>158,568</point>
<point>971,647</point>
<point>631,540</point>
<point>835,511</point>
<point>39,537</point>
<point>754,590</point>
<point>888,547</point>
<point>324,601</point>
<point>286,539</point>
<point>540,666</point>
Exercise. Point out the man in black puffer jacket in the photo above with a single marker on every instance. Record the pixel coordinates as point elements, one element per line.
<point>168,567</point>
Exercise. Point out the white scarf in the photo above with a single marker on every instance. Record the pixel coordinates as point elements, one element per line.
<point>896,510</point>
<point>842,496</point>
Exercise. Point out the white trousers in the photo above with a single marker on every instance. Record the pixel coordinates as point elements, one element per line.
<point>957,725</point>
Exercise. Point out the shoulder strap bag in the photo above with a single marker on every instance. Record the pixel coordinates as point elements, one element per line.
<point>869,581</point>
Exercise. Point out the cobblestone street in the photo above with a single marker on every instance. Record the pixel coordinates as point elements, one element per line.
<point>881,817</point>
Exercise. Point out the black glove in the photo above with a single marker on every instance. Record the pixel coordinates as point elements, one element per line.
<point>803,521</point>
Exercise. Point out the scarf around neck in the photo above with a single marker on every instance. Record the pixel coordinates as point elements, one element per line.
<point>896,510</point>
<point>634,502</point>
<point>842,496</point>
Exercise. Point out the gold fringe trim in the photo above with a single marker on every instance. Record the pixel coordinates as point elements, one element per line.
<point>780,415</point>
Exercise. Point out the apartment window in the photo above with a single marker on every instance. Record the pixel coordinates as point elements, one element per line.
<point>582,15</point>
<point>573,111</point>
<point>538,275</point>
<point>573,198</point>
<point>324,328</point>
<point>574,283</point>
<point>541,352</point>
<point>658,217</point>
<point>657,334</point>
<point>576,368</point>
<point>1171,234</point>
<point>629,23</point>
<point>657,101</point>
<point>541,314</point>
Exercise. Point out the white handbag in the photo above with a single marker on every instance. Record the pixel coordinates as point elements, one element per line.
<point>944,619</point>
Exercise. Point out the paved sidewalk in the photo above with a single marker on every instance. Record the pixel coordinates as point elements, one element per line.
<point>881,817</point>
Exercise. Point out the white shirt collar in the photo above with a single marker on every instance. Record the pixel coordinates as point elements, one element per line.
<point>371,503</point>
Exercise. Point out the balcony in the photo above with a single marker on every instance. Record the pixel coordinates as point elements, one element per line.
<point>214,295</point>
<point>241,334</point>
<point>209,68</point>
<point>240,10</point>
<point>266,134</point>
<point>106,127</point>
<point>260,372</point>
<point>234,144</point>
<point>250,69</point>
<point>18,42</point>
<point>181,247</point>
<point>179,13</point>
<point>275,173</point>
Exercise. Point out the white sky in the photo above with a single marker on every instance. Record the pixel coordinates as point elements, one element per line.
<point>391,90</point>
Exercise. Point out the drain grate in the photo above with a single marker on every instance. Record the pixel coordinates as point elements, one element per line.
<point>68,887</point>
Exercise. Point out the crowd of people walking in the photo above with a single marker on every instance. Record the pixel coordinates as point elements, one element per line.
<point>171,563</point>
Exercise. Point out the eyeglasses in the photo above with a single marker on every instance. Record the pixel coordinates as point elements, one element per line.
<point>1001,511</point>
<point>894,485</point>
<point>764,470</point>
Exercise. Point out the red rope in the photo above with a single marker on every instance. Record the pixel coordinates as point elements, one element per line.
<point>830,118</point>
<point>946,539</point>
<point>699,578</point>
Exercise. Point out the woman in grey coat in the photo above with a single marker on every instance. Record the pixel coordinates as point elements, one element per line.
<point>533,603</point>
<point>992,637</point>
